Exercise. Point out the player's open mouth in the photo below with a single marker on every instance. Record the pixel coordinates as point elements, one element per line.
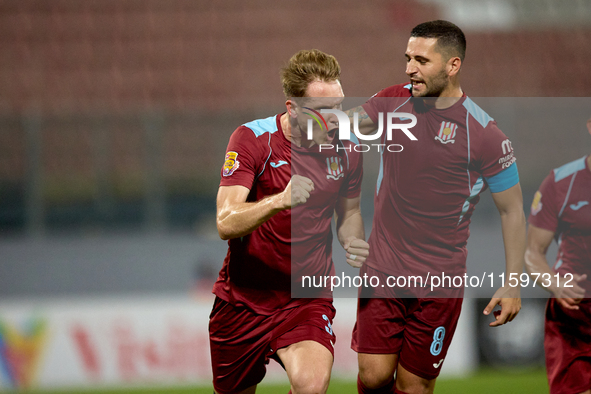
<point>331,134</point>
<point>417,83</point>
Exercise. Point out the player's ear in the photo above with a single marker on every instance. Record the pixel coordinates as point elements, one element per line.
<point>291,106</point>
<point>453,66</point>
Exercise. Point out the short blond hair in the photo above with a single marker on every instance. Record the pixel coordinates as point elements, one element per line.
<point>305,67</point>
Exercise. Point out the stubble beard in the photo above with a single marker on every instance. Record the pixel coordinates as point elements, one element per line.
<point>435,86</point>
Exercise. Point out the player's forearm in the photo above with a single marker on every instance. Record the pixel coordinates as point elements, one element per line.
<point>513,227</point>
<point>350,226</point>
<point>364,123</point>
<point>538,269</point>
<point>241,219</point>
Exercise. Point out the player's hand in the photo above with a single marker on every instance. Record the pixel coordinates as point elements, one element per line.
<point>510,301</point>
<point>570,297</point>
<point>357,251</point>
<point>297,191</point>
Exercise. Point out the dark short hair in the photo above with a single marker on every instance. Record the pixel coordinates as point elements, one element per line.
<point>305,67</point>
<point>450,38</point>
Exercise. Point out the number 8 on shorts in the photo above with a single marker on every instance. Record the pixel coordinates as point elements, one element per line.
<point>437,343</point>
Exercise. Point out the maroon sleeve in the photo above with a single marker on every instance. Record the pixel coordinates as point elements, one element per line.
<point>379,102</point>
<point>495,152</point>
<point>352,188</point>
<point>544,207</point>
<point>244,159</point>
<point>375,105</point>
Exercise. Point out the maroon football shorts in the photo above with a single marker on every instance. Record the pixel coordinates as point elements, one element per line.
<point>567,342</point>
<point>419,330</point>
<point>242,341</point>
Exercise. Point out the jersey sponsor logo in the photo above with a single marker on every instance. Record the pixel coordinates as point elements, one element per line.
<point>508,163</point>
<point>506,146</point>
<point>278,164</point>
<point>579,205</point>
<point>438,364</point>
<point>335,167</point>
<point>231,164</point>
<point>536,205</point>
<point>509,157</point>
<point>447,132</point>
<point>507,160</point>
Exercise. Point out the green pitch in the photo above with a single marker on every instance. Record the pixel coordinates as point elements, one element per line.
<point>483,382</point>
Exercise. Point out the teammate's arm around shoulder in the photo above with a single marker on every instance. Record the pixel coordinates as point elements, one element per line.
<point>237,218</point>
<point>510,206</point>
<point>538,241</point>
<point>364,122</point>
<point>350,230</point>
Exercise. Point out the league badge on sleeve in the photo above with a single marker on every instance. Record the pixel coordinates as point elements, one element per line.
<point>231,164</point>
<point>536,205</point>
<point>447,132</point>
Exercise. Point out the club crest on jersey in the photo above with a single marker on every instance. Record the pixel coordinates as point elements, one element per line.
<point>335,167</point>
<point>231,164</point>
<point>536,205</point>
<point>447,132</point>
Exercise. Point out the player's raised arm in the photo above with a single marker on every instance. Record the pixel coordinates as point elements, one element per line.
<point>350,230</point>
<point>538,241</point>
<point>237,218</point>
<point>366,125</point>
<point>510,205</point>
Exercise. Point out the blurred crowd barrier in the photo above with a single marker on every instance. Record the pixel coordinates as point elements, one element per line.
<point>142,170</point>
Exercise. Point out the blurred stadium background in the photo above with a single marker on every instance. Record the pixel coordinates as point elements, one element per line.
<point>114,117</point>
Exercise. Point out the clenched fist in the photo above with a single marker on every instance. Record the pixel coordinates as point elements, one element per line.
<point>357,251</point>
<point>297,191</point>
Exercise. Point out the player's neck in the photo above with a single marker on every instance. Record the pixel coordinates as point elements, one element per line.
<point>286,126</point>
<point>451,95</point>
<point>296,137</point>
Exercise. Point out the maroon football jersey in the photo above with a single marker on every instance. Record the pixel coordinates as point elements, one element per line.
<point>257,270</point>
<point>426,194</point>
<point>563,205</point>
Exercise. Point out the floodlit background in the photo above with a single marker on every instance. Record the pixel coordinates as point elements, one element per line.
<point>114,117</point>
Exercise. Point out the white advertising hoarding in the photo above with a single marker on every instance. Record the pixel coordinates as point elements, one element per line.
<point>144,341</point>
